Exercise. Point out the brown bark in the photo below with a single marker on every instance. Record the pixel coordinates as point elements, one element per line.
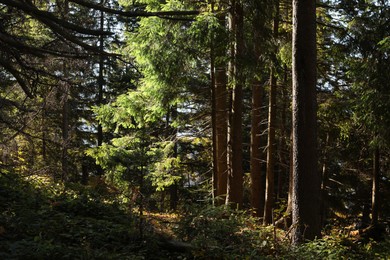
<point>221,117</point>
<point>270,175</point>
<point>257,183</point>
<point>235,178</point>
<point>306,179</point>
<point>256,156</point>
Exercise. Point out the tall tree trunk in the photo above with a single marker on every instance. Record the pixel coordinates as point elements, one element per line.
<point>235,178</point>
<point>270,175</point>
<point>220,115</point>
<point>100,85</point>
<point>306,179</point>
<point>65,130</point>
<point>65,112</point>
<point>213,120</point>
<point>256,156</point>
<point>257,184</point>
<point>375,188</point>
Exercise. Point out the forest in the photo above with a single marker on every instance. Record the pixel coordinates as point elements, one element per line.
<point>181,129</point>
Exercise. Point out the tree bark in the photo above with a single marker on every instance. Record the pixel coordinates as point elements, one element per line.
<point>306,180</point>
<point>221,116</point>
<point>375,188</point>
<point>257,183</point>
<point>100,86</point>
<point>270,175</point>
<point>235,178</point>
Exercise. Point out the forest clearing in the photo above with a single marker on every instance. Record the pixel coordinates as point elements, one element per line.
<point>176,129</point>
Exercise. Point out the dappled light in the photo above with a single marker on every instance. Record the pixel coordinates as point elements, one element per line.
<point>175,129</point>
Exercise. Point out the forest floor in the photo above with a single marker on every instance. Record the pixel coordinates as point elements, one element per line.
<point>40,219</point>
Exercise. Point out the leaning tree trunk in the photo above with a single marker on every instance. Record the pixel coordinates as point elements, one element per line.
<point>306,179</point>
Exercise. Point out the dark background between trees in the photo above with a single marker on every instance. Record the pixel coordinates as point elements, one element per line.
<point>198,129</point>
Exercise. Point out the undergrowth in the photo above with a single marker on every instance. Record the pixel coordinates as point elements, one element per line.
<point>43,220</point>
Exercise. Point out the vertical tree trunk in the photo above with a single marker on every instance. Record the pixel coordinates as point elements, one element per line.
<point>235,178</point>
<point>65,112</point>
<point>100,85</point>
<point>65,130</point>
<point>213,120</point>
<point>173,189</point>
<point>220,115</point>
<point>306,180</point>
<point>44,132</point>
<point>257,155</point>
<point>270,175</point>
<point>375,188</point>
<point>324,184</point>
<point>257,184</point>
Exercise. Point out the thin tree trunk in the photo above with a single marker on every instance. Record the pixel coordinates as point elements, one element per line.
<point>173,189</point>
<point>270,175</point>
<point>65,131</point>
<point>375,188</point>
<point>324,184</point>
<point>213,120</point>
<point>65,113</point>
<point>235,178</point>
<point>221,116</point>
<point>306,179</point>
<point>100,85</point>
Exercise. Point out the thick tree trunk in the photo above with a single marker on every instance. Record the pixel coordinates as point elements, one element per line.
<point>257,183</point>
<point>235,178</point>
<point>306,179</point>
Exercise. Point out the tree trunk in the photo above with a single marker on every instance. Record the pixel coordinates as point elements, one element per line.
<point>65,130</point>
<point>257,156</point>
<point>100,85</point>
<point>173,189</point>
<point>221,116</point>
<point>375,188</point>
<point>235,178</point>
<point>270,175</point>
<point>306,180</point>
<point>257,184</point>
<point>324,184</point>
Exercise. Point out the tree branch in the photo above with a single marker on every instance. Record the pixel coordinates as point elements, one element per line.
<point>133,13</point>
